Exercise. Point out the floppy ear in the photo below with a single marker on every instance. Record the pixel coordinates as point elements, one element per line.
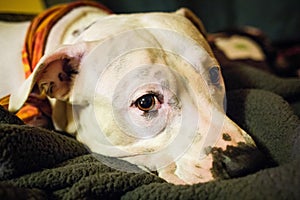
<point>193,18</point>
<point>54,75</point>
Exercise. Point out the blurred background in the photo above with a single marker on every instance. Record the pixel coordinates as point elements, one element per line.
<point>279,20</point>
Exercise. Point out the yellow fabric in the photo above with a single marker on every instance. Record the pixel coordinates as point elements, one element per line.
<point>21,6</point>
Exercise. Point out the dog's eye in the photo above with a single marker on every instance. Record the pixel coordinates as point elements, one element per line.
<point>146,102</point>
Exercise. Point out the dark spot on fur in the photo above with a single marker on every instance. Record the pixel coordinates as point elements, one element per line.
<point>226,137</point>
<point>69,70</point>
<point>61,76</point>
<point>76,33</point>
<point>207,150</point>
<point>236,161</point>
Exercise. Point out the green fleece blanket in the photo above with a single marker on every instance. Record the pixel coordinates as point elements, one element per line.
<point>40,164</point>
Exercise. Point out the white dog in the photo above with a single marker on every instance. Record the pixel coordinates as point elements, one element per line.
<point>145,87</point>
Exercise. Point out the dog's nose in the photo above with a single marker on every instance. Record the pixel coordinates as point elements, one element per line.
<point>236,161</point>
<point>234,154</point>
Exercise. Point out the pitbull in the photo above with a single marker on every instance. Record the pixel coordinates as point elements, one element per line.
<point>145,88</point>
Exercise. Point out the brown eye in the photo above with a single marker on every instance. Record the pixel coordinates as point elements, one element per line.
<point>146,102</point>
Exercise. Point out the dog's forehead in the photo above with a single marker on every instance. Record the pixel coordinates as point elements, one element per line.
<point>111,25</point>
<point>167,31</point>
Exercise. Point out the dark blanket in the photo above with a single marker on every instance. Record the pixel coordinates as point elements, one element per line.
<point>40,164</point>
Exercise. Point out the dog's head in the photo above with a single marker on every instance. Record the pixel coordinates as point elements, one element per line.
<point>145,88</point>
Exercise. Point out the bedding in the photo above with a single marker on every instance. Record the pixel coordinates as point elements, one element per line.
<point>37,163</point>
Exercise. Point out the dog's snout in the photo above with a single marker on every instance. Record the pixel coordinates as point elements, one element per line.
<point>236,161</point>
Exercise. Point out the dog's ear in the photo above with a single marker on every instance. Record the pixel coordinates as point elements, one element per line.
<point>53,75</point>
<point>193,18</point>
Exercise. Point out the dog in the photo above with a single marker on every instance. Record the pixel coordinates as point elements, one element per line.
<point>142,87</point>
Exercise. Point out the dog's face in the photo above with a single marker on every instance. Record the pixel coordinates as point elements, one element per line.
<point>145,88</point>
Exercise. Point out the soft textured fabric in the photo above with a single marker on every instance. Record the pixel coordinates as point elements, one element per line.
<point>40,164</point>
